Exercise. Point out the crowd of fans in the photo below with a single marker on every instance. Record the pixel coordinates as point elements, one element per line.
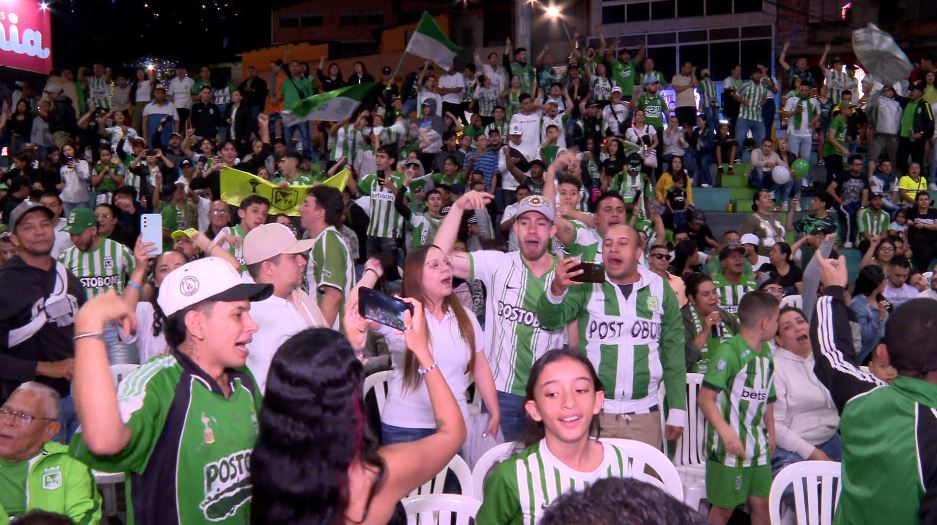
<point>536,218</point>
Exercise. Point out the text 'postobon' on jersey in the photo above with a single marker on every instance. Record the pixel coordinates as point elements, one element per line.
<point>190,446</point>
<point>105,268</point>
<point>513,335</point>
<point>744,379</point>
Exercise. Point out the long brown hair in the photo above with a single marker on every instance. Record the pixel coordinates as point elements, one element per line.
<point>413,288</point>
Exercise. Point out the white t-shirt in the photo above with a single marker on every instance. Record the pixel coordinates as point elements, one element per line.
<point>148,345</point>
<point>530,132</point>
<point>412,408</point>
<point>167,108</point>
<point>181,92</point>
<point>634,134</point>
<point>897,296</point>
<point>790,106</point>
<point>687,97</point>
<point>277,320</point>
<point>455,80</point>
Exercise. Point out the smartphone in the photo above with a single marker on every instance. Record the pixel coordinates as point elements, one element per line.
<point>151,230</point>
<point>382,308</point>
<point>591,273</point>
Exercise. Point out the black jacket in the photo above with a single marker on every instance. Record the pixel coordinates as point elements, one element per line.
<point>206,119</point>
<point>26,289</point>
<point>241,124</point>
<point>62,117</point>
<point>255,92</point>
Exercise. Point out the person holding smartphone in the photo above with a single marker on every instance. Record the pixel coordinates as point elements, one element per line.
<point>628,322</point>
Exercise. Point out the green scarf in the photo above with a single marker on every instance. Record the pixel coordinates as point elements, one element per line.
<point>803,102</point>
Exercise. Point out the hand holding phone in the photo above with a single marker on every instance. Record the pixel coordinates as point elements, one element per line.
<point>382,308</point>
<point>591,273</point>
<point>151,230</point>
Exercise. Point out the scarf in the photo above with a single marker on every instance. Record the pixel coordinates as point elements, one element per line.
<point>805,105</point>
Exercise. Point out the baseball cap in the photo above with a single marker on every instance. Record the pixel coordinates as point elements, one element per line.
<point>206,279</point>
<point>138,140</point>
<point>186,163</point>
<point>53,88</point>
<point>175,134</point>
<point>79,220</point>
<point>594,104</point>
<point>748,238</point>
<point>269,240</point>
<point>186,233</point>
<point>516,130</point>
<point>698,217</point>
<point>158,87</point>
<point>650,80</point>
<point>616,89</point>
<point>538,204</point>
<point>729,250</point>
<point>876,195</point>
<point>25,207</point>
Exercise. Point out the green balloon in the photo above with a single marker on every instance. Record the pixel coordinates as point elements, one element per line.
<point>800,168</point>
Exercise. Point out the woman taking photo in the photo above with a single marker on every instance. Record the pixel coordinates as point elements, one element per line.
<point>870,308</point>
<point>315,460</point>
<point>705,324</point>
<point>455,338</point>
<point>806,420</point>
<point>560,445</point>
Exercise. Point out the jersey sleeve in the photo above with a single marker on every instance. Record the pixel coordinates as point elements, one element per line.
<point>82,500</point>
<point>555,313</point>
<point>128,257</point>
<point>483,264</point>
<point>335,264</point>
<point>723,365</point>
<point>144,404</point>
<point>501,503</point>
<point>672,350</point>
<point>364,185</point>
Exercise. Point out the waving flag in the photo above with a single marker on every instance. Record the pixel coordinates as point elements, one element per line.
<point>431,43</point>
<point>331,106</point>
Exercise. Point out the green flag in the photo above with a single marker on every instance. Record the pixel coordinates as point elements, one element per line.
<point>331,106</point>
<point>431,43</point>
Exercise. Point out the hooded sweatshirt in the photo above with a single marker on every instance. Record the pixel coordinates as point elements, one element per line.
<point>432,125</point>
<point>804,413</point>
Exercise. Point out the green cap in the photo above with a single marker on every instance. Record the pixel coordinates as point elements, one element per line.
<point>80,219</point>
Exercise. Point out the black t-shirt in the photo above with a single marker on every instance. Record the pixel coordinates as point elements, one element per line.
<point>850,188</point>
<point>676,197</point>
<point>794,276</point>
<point>916,235</point>
<point>698,236</point>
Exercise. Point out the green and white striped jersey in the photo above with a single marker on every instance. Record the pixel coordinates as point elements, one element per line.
<point>836,81</point>
<point>754,94</point>
<point>235,250</point>
<point>707,94</point>
<point>330,265</point>
<point>501,128</point>
<point>744,380</point>
<point>634,342</point>
<point>730,295</point>
<point>385,221</point>
<point>345,143</point>
<point>105,268</point>
<point>99,90</point>
<point>628,184</point>
<point>520,489</point>
<point>872,222</point>
<point>424,227</point>
<point>513,334</point>
<point>587,245</point>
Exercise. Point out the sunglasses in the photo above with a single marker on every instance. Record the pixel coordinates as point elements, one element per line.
<point>660,256</point>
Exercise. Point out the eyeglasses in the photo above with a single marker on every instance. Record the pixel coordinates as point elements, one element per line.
<point>219,212</point>
<point>437,265</point>
<point>22,418</point>
<point>660,256</point>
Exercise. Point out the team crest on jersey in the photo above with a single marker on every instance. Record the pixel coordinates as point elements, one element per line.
<point>51,478</point>
<point>227,486</point>
<point>653,304</point>
<point>108,263</point>
<point>721,365</point>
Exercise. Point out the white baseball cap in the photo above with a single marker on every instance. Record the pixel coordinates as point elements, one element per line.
<point>748,238</point>
<point>516,130</point>
<point>209,278</point>
<point>269,240</point>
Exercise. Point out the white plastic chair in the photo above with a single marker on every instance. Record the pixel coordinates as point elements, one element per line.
<point>690,455</point>
<point>639,455</point>
<point>462,472</point>
<point>441,509</point>
<point>375,380</point>
<point>108,481</point>
<point>816,487</point>
<point>794,301</point>
<point>487,462</point>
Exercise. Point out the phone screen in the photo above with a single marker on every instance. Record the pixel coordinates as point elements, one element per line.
<point>382,308</point>
<point>592,273</point>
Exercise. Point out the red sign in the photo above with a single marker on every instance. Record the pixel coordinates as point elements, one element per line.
<point>25,35</point>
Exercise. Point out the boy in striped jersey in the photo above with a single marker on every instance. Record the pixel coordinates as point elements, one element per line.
<point>872,221</point>
<point>515,282</point>
<point>386,225</point>
<point>252,212</point>
<point>737,399</point>
<point>732,283</point>
<point>631,329</point>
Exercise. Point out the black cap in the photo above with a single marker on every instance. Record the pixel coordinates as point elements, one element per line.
<point>186,163</point>
<point>729,250</point>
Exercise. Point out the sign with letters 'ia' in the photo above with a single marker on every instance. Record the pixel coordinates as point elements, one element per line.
<point>25,35</point>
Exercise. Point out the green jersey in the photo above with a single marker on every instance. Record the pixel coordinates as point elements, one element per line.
<point>744,380</point>
<point>235,249</point>
<point>108,184</point>
<point>698,359</point>
<point>330,265</point>
<point>178,218</point>
<point>623,75</point>
<point>839,126</point>
<point>730,295</point>
<point>754,94</point>
<point>424,228</point>
<point>441,178</point>
<point>526,75</point>
<point>520,489</point>
<point>104,268</point>
<point>586,245</point>
<point>294,90</point>
<point>188,458</point>
<point>514,337</point>
<point>873,222</point>
<point>628,184</point>
<point>303,179</point>
<point>654,109</point>
<point>634,340</point>
<point>385,221</point>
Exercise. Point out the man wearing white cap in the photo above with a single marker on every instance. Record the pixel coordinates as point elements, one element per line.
<point>513,165</point>
<point>750,242</point>
<point>275,257</point>
<point>184,424</point>
<point>616,116</point>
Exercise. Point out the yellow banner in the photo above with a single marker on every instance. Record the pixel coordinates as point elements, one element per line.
<point>236,185</point>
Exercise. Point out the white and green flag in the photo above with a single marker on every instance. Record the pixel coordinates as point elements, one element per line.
<point>331,106</point>
<point>431,43</point>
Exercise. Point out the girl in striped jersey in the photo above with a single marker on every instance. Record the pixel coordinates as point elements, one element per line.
<point>563,397</point>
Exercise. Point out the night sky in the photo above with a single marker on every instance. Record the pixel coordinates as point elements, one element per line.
<point>122,31</point>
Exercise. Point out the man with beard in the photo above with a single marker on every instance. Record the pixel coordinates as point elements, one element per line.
<point>514,338</point>
<point>631,328</point>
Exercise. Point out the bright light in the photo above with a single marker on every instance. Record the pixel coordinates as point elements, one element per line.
<point>553,11</point>
<point>43,6</point>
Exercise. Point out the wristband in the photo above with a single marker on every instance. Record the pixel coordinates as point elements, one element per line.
<point>99,336</point>
<point>135,286</point>
<point>366,270</point>
<point>424,371</point>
